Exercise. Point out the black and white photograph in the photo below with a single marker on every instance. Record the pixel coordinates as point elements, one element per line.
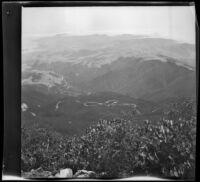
<point>108,92</point>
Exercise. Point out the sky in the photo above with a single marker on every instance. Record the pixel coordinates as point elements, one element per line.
<point>174,22</point>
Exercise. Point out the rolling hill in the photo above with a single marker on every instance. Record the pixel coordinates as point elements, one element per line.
<point>68,82</point>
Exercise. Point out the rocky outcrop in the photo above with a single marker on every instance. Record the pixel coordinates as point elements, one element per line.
<point>37,173</point>
<point>85,174</point>
<point>63,173</point>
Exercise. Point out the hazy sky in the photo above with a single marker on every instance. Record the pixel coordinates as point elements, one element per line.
<point>172,22</point>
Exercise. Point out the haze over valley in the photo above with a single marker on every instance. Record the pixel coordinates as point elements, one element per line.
<point>109,92</point>
<point>70,77</point>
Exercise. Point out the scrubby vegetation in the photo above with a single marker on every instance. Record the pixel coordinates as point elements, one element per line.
<point>119,148</point>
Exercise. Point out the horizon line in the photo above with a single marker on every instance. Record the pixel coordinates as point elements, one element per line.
<point>153,35</point>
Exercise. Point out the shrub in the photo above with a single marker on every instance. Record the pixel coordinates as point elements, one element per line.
<point>118,148</point>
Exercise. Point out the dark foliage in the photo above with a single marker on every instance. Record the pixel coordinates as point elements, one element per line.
<point>117,148</point>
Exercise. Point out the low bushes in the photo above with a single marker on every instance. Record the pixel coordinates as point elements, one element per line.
<point>117,148</point>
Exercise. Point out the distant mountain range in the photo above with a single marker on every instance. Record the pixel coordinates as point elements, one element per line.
<point>96,50</point>
<point>70,81</point>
